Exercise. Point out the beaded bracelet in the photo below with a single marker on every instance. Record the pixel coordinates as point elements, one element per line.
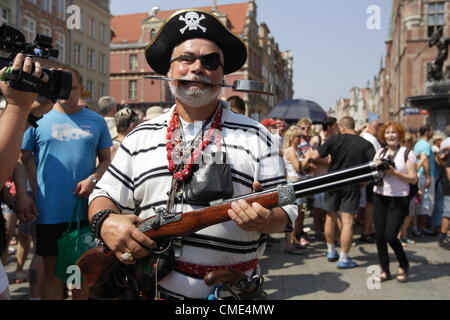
<point>96,223</point>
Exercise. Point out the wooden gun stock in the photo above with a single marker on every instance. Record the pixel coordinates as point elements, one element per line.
<point>97,262</point>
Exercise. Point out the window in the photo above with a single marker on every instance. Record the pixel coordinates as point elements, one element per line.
<point>103,62</point>
<point>5,15</point>
<point>133,62</point>
<point>45,30</point>
<point>101,90</point>
<point>29,28</point>
<point>103,33</point>
<point>82,21</point>
<point>132,90</point>
<point>60,45</point>
<point>61,9</point>
<point>436,20</point>
<point>90,87</point>
<point>91,27</point>
<point>90,58</point>
<point>78,53</point>
<point>152,34</point>
<point>46,5</point>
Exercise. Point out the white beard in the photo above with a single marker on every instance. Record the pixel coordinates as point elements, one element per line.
<point>195,97</point>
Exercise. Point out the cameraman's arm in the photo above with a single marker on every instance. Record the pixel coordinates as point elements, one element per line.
<point>14,119</point>
<point>12,126</point>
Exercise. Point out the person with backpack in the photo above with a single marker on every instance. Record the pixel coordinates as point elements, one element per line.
<point>391,197</point>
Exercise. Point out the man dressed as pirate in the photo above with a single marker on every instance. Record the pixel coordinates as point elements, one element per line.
<point>162,163</point>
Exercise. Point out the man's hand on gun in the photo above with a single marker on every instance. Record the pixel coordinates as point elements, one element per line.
<point>120,234</point>
<point>248,217</point>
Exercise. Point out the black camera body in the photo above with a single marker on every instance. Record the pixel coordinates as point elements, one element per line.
<point>59,83</point>
<point>387,163</point>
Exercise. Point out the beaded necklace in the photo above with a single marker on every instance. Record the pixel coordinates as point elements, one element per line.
<point>174,140</point>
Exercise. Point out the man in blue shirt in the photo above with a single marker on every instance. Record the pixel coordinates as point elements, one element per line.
<point>426,174</point>
<point>65,146</point>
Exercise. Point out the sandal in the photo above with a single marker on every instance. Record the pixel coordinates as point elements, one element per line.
<point>402,276</point>
<point>21,277</point>
<point>384,276</point>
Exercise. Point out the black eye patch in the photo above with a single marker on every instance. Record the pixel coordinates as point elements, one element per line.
<point>209,61</point>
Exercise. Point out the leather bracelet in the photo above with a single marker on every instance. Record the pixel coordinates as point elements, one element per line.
<point>96,223</point>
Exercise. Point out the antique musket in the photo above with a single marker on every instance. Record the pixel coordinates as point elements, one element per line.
<point>95,264</point>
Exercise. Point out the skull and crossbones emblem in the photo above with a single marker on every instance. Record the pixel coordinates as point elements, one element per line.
<point>192,20</point>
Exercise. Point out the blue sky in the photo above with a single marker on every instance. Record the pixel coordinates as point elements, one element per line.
<point>333,48</point>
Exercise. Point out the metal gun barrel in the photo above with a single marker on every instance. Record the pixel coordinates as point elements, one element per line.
<point>335,176</point>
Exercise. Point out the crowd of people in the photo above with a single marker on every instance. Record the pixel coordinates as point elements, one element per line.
<point>123,165</point>
<point>410,203</point>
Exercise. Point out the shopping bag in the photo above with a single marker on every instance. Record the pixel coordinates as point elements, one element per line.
<point>74,241</point>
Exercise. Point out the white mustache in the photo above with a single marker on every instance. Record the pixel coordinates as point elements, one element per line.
<point>194,78</point>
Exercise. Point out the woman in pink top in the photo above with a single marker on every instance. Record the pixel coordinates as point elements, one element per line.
<point>390,198</point>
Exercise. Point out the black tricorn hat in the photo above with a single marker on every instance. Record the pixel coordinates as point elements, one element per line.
<point>193,23</point>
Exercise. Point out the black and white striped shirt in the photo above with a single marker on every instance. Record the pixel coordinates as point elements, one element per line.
<point>138,181</point>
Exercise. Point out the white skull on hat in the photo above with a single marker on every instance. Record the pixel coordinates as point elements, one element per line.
<point>192,20</point>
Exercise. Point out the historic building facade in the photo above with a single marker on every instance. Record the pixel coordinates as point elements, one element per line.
<point>84,45</point>
<point>362,102</point>
<point>132,33</point>
<point>90,46</point>
<point>408,58</point>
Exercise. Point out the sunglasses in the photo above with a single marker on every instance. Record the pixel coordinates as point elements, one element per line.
<point>305,128</point>
<point>209,61</point>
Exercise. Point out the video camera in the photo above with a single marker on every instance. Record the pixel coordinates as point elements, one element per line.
<point>59,83</point>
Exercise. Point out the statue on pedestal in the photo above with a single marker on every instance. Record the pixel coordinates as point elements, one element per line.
<point>436,71</point>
